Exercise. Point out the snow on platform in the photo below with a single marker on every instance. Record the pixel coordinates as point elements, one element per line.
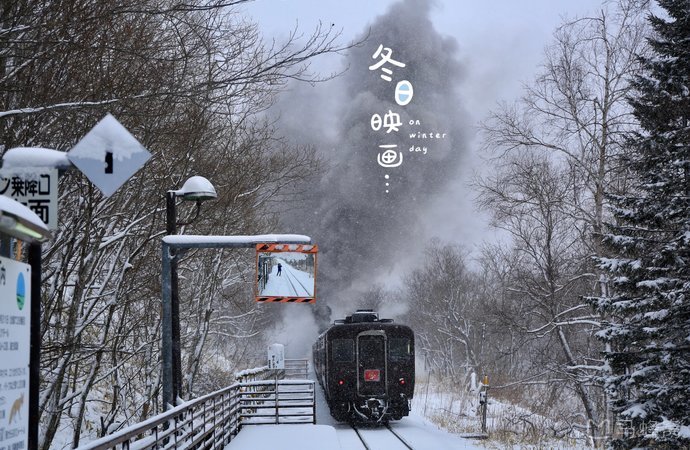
<point>423,435</point>
<point>287,437</point>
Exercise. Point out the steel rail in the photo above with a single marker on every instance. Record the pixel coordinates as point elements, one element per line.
<point>290,277</point>
<point>398,436</point>
<point>361,439</point>
<point>306,291</point>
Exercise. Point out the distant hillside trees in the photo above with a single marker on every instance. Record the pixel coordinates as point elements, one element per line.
<point>444,300</point>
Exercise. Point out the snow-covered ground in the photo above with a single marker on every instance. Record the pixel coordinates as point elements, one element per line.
<point>275,437</point>
<point>331,435</point>
<point>418,432</point>
<point>509,426</point>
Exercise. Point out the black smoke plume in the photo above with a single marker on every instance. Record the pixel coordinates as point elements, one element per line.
<point>362,231</point>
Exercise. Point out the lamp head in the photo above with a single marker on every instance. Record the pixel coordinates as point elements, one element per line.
<point>20,222</point>
<point>197,188</point>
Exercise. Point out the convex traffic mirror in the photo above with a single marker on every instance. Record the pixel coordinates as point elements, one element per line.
<point>286,273</point>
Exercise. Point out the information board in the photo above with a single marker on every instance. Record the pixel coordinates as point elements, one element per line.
<point>15,327</point>
<point>276,356</point>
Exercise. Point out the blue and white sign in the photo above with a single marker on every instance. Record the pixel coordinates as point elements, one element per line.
<point>15,335</point>
<point>108,155</point>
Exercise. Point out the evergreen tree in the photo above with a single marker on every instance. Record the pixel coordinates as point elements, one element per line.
<point>649,300</point>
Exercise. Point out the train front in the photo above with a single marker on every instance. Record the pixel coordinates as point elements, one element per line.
<point>370,369</point>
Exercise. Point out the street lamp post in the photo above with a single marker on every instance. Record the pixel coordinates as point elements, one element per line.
<point>195,189</point>
<point>173,244</point>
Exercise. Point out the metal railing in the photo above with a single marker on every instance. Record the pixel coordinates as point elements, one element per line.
<point>259,374</point>
<point>297,369</point>
<point>211,421</point>
<point>278,401</point>
<point>294,369</point>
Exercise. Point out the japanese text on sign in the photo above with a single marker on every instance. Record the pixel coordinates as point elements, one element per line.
<point>36,190</point>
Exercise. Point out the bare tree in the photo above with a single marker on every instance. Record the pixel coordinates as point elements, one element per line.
<point>575,113</point>
<point>189,81</point>
<point>444,305</point>
<point>530,199</point>
<point>576,109</point>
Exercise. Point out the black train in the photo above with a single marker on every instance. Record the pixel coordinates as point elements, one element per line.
<point>366,368</point>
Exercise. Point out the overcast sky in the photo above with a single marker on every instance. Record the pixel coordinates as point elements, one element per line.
<point>501,41</point>
<point>500,47</point>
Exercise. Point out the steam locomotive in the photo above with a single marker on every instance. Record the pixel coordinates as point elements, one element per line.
<point>365,366</point>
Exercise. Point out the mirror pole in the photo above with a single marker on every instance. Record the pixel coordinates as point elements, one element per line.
<point>171,228</point>
<point>166,318</point>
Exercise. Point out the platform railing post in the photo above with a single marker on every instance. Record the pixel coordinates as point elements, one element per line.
<point>313,402</point>
<point>276,397</point>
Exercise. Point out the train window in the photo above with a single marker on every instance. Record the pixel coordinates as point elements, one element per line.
<point>343,350</point>
<point>399,348</point>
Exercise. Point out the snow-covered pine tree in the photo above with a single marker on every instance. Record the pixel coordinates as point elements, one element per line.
<point>649,302</point>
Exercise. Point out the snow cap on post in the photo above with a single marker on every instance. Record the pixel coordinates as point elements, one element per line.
<point>31,158</point>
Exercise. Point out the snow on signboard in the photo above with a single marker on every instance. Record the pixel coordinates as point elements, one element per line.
<point>15,307</point>
<point>108,155</point>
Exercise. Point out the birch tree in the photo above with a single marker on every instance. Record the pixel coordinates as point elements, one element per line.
<point>530,199</point>
<point>575,113</point>
<point>576,109</point>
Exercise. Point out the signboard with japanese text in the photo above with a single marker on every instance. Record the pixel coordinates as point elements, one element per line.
<point>36,189</point>
<point>276,357</point>
<point>15,327</point>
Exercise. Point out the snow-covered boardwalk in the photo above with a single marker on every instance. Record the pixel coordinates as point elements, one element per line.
<point>419,434</point>
<point>328,434</point>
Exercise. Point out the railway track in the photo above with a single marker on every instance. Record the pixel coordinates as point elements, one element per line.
<point>375,439</point>
<point>290,279</point>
